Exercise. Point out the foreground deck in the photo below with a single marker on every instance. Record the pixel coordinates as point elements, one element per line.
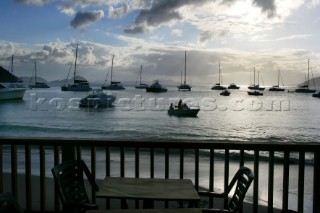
<point>283,171</point>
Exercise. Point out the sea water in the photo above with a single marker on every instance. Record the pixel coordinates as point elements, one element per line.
<point>140,116</point>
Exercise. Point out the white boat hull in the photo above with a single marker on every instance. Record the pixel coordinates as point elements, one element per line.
<point>12,94</point>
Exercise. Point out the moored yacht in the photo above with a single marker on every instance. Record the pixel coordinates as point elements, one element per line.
<point>156,87</point>
<point>11,91</point>
<point>233,86</point>
<point>255,86</point>
<point>97,99</point>
<point>218,86</point>
<point>79,83</point>
<point>276,88</point>
<point>184,85</point>
<point>141,85</point>
<point>305,88</point>
<point>114,85</point>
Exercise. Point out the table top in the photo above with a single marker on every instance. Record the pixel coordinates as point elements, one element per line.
<point>148,188</point>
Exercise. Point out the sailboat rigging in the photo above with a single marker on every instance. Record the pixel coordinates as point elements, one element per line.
<point>255,86</point>
<point>79,83</point>
<point>114,85</point>
<point>141,85</point>
<point>305,88</point>
<point>37,84</point>
<point>218,86</point>
<point>184,86</point>
<point>276,88</point>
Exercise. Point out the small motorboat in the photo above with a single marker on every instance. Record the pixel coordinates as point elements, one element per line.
<point>182,110</point>
<point>225,93</point>
<point>97,99</point>
<point>156,87</point>
<point>233,86</point>
<point>256,93</point>
<point>316,95</point>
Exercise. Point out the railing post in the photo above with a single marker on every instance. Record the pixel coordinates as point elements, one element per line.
<point>316,183</point>
<point>256,181</point>
<point>270,182</point>
<point>301,181</point>
<point>226,176</point>
<point>285,195</point>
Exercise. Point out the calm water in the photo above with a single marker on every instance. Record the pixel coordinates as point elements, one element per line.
<point>138,115</point>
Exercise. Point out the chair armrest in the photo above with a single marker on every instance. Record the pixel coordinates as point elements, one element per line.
<point>211,194</point>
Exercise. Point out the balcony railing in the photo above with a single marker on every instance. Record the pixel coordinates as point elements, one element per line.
<point>280,169</point>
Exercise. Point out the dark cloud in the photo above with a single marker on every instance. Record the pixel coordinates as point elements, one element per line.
<point>160,12</point>
<point>267,6</point>
<point>83,19</point>
<point>33,2</point>
<point>164,11</point>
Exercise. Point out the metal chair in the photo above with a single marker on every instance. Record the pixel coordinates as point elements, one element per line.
<point>8,204</point>
<point>243,178</point>
<point>69,179</point>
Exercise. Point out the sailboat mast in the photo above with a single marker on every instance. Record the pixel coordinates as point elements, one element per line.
<point>185,67</point>
<point>12,64</point>
<point>111,68</point>
<point>140,73</point>
<point>308,75</point>
<point>254,75</point>
<point>219,73</point>
<point>278,77</point>
<point>75,66</point>
<point>35,72</point>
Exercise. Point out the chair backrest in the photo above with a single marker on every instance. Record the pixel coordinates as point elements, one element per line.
<point>8,204</point>
<point>69,178</point>
<point>243,178</point>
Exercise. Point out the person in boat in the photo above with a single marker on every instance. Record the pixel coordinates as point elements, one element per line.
<point>180,104</point>
<point>171,107</point>
<point>184,106</point>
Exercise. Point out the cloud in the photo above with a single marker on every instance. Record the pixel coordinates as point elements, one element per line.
<point>118,12</point>
<point>176,33</point>
<point>267,6</point>
<point>33,2</point>
<point>83,19</point>
<point>160,12</point>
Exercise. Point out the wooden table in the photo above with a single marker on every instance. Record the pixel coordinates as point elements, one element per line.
<point>192,210</point>
<point>149,190</point>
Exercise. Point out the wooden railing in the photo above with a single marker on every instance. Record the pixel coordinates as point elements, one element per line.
<point>38,156</point>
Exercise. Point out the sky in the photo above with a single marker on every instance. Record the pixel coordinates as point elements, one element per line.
<point>268,35</point>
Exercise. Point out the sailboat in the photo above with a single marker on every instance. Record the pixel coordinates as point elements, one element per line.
<point>217,86</point>
<point>184,86</point>
<point>79,83</point>
<point>114,85</point>
<point>37,84</point>
<point>13,90</point>
<point>255,86</point>
<point>305,88</point>
<point>141,85</point>
<point>276,88</point>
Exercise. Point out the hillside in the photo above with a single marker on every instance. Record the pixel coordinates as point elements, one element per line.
<point>312,82</point>
<point>6,76</point>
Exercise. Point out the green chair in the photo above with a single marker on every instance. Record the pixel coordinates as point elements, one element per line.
<point>8,204</point>
<point>69,179</point>
<point>243,178</point>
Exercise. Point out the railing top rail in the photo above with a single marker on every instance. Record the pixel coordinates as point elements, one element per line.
<point>232,145</point>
